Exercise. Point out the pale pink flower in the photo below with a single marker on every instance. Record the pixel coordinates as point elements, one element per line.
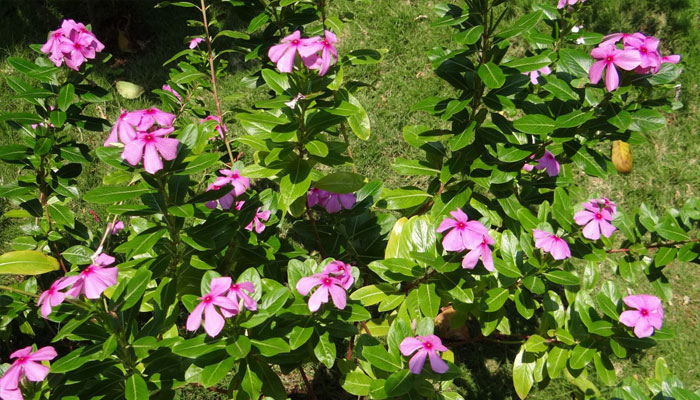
<point>94,279</point>
<point>167,88</point>
<point>115,228</point>
<point>552,244</point>
<point>241,292</point>
<point>234,178</point>
<point>213,321</point>
<point>483,251</point>
<point>53,46</point>
<point>283,54</point>
<point>327,284</point>
<point>564,3</point>
<point>329,54</point>
<point>257,220</point>
<point>424,347</point>
<point>150,146</point>
<point>27,365</point>
<point>195,42</point>
<point>609,57</point>
<point>148,117</point>
<point>218,126</point>
<point>647,316</point>
<point>596,221</point>
<point>53,296</point>
<point>613,38</point>
<point>342,271</point>
<point>124,130</point>
<point>536,74</point>
<point>604,203</point>
<point>464,234</point>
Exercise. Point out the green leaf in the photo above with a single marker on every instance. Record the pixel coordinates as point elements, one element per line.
<point>522,25</point>
<point>556,360</point>
<point>562,209</point>
<point>135,388</point>
<point>187,76</point>
<point>371,294</point>
<point>528,64</point>
<point>251,384</point>
<point>413,167</point>
<point>296,183</point>
<point>277,82</point>
<point>574,119</point>
<point>356,383</point>
<point>430,301</point>
<point>536,124</point>
<point>22,118</point>
<point>399,199</point>
<point>271,347</point>
<point>214,373</point>
<point>136,286</point>
<point>669,229</point>
<point>317,148</point>
<point>495,299</point>
<point>325,350</point>
<point>581,356</point>
<point>340,182</point>
<point>26,262</point>
<point>79,255</point>
<point>359,122</point>
<point>257,22</point>
<point>470,36</point>
<point>523,369</point>
<point>536,344</point>
<point>382,359</point>
<point>115,194</point>
<point>130,90</point>
<point>199,164</point>
<point>62,215</point>
<point>560,89</point>
<point>492,75</point>
<point>239,348</point>
<point>399,383</point>
<point>300,335</point>
<point>605,369</point>
<point>65,96</point>
<point>562,277</point>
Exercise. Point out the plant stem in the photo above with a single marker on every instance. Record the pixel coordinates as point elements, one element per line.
<point>316,235</point>
<point>212,74</point>
<point>657,245</point>
<point>19,291</point>
<point>309,389</point>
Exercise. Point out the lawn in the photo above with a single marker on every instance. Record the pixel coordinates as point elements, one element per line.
<point>666,169</point>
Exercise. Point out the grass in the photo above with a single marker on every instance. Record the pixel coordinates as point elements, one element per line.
<point>666,168</point>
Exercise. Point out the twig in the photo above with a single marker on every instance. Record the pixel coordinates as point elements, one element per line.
<point>348,356</point>
<point>364,326</point>
<point>316,235</point>
<point>309,389</point>
<point>656,245</point>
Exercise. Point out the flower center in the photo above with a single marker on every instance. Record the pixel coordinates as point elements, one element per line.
<point>643,50</point>
<point>325,43</point>
<point>644,312</point>
<point>208,298</point>
<point>327,281</point>
<point>234,287</point>
<point>609,59</point>
<point>461,225</point>
<point>88,271</point>
<point>428,345</point>
<point>148,137</point>
<point>295,42</point>
<point>598,216</point>
<point>77,46</point>
<point>21,360</point>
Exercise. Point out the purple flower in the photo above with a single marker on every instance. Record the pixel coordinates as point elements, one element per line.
<point>283,54</point>
<point>547,162</point>
<point>167,88</point>
<point>483,251</point>
<point>195,42</point>
<point>552,244</point>
<point>424,346</point>
<point>234,178</point>
<point>241,292</point>
<point>609,57</point>
<point>115,228</point>
<point>342,271</point>
<point>94,279</point>
<point>464,234</point>
<point>536,74</point>
<point>150,146</point>
<point>316,196</point>
<point>647,316</point>
<point>213,321</point>
<point>596,220</point>
<point>28,365</point>
<point>332,202</point>
<point>52,296</point>
<point>327,284</point>
<point>259,216</point>
<point>218,126</point>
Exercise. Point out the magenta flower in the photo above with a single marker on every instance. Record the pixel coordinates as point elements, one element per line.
<point>234,178</point>
<point>547,162</point>
<point>483,251</point>
<point>124,130</point>
<point>336,202</point>
<point>605,204</point>
<point>649,314</point>
<point>53,296</point>
<point>213,321</point>
<point>195,42</point>
<point>241,292</point>
<point>76,52</point>
<point>464,234</point>
<point>327,284</point>
<point>167,88</point>
<point>564,3</point>
<point>536,74</point>
<point>329,54</point>
<point>316,196</point>
<point>94,279</point>
<point>115,228</point>
<point>342,271</point>
<point>147,118</point>
<point>552,244</point>
<point>283,54</point>
<point>53,46</point>
<point>609,57</point>
<point>25,365</point>
<point>426,346</point>
<point>72,43</point>
<point>596,220</point>
<point>259,216</point>
<point>219,125</point>
<point>151,146</point>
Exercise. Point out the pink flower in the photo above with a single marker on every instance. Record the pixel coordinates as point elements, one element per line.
<point>25,365</point>
<point>167,88</point>
<point>609,57</point>
<point>234,178</point>
<point>426,346</point>
<point>195,42</point>
<point>124,130</point>
<point>72,43</point>
<point>241,292</point>
<point>596,220</point>
<point>327,284</point>
<point>464,234</point>
<point>648,314</point>
<point>316,196</point>
<point>283,54</point>
<point>148,145</point>
<point>552,244</point>
<point>53,46</point>
<point>94,279</point>
<point>342,271</point>
<point>116,228</point>
<point>536,74</point>
<point>213,321</point>
<point>52,297</point>
<point>483,251</point>
<point>606,204</point>
<point>147,118</point>
<point>329,54</point>
<point>547,162</point>
<point>218,126</point>
<point>259,216</point>
<point>563,3</point>
<point>336,202</point>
